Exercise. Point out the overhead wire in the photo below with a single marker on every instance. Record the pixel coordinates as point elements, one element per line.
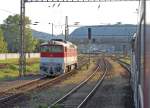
<point>7,11</point>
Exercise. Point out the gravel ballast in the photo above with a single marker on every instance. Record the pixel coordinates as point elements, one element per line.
<point>115,91</point>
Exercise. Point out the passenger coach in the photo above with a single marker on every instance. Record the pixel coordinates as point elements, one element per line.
<point>140,65</point>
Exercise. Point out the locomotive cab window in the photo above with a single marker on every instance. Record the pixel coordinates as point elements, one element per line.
<point>52,48</point>
<point>44,49</point>
<point>56,48</point>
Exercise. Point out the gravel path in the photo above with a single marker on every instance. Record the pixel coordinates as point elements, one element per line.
<point>115,91</point>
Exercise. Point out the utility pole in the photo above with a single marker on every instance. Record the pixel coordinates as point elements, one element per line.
<point>22,55</point>
<point>124,50</point>
<point>66,27</point>
<point>52,29</point>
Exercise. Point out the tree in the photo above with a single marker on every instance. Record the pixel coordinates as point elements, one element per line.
<point>3,44</point>
<point>29,40</point>
<point>12,34</point>
<point>39,42</point>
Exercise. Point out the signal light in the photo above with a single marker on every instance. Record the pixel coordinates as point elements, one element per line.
<point>89,33</point>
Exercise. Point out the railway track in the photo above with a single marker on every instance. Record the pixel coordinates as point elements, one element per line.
<point>14,93</point>
<point>122,63</point>
<point>78,96</point>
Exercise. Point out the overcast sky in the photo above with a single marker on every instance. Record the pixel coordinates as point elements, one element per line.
<point>85,13</point>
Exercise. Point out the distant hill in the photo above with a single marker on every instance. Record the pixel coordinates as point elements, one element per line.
<point>99,30</point>
<point>43,35</point>
<point>105,30</point>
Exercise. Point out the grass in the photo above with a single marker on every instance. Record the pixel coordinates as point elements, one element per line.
<point>8,74</point>
<point>16,61</point>
<point>127,60</point>
<point>57,106</point>
<point>33,68</point>
<point>12,70</point>
<point>43,106</point>
<point>116,70</point>
<point>82,74</point>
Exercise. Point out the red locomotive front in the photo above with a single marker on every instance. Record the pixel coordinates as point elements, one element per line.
<point>57,57</point>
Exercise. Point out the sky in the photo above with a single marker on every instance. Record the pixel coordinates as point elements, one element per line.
<point>85,13</point>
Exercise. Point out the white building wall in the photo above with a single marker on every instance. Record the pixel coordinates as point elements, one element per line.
<point>16,55</point>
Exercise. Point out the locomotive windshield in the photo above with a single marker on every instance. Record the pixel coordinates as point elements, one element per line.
<point>52,48</point>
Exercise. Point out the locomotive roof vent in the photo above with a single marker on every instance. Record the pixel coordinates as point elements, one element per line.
<point>60,40</point>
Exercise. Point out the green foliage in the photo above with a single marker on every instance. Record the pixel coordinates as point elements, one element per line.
<point>3,44</point>
<point>34,68</point>
<point>30,41</point>
<point>43,106</point>
<point>39,42</point>
<point>126,60</point>
<point>15,61</point>
<point>57,106</point>
<point>11,71</point>
<point>12,34</point>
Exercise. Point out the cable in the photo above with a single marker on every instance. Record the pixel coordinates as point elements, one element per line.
<point>7,11</point>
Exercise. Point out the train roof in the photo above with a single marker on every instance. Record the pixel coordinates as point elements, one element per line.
<point>59,42</point>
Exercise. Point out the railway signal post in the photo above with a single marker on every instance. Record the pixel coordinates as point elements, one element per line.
<point>89,38</point>
<point>66,28</point>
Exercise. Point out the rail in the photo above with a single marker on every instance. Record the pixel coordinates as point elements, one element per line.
<point>94,89</point>
<point>74,90</point>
